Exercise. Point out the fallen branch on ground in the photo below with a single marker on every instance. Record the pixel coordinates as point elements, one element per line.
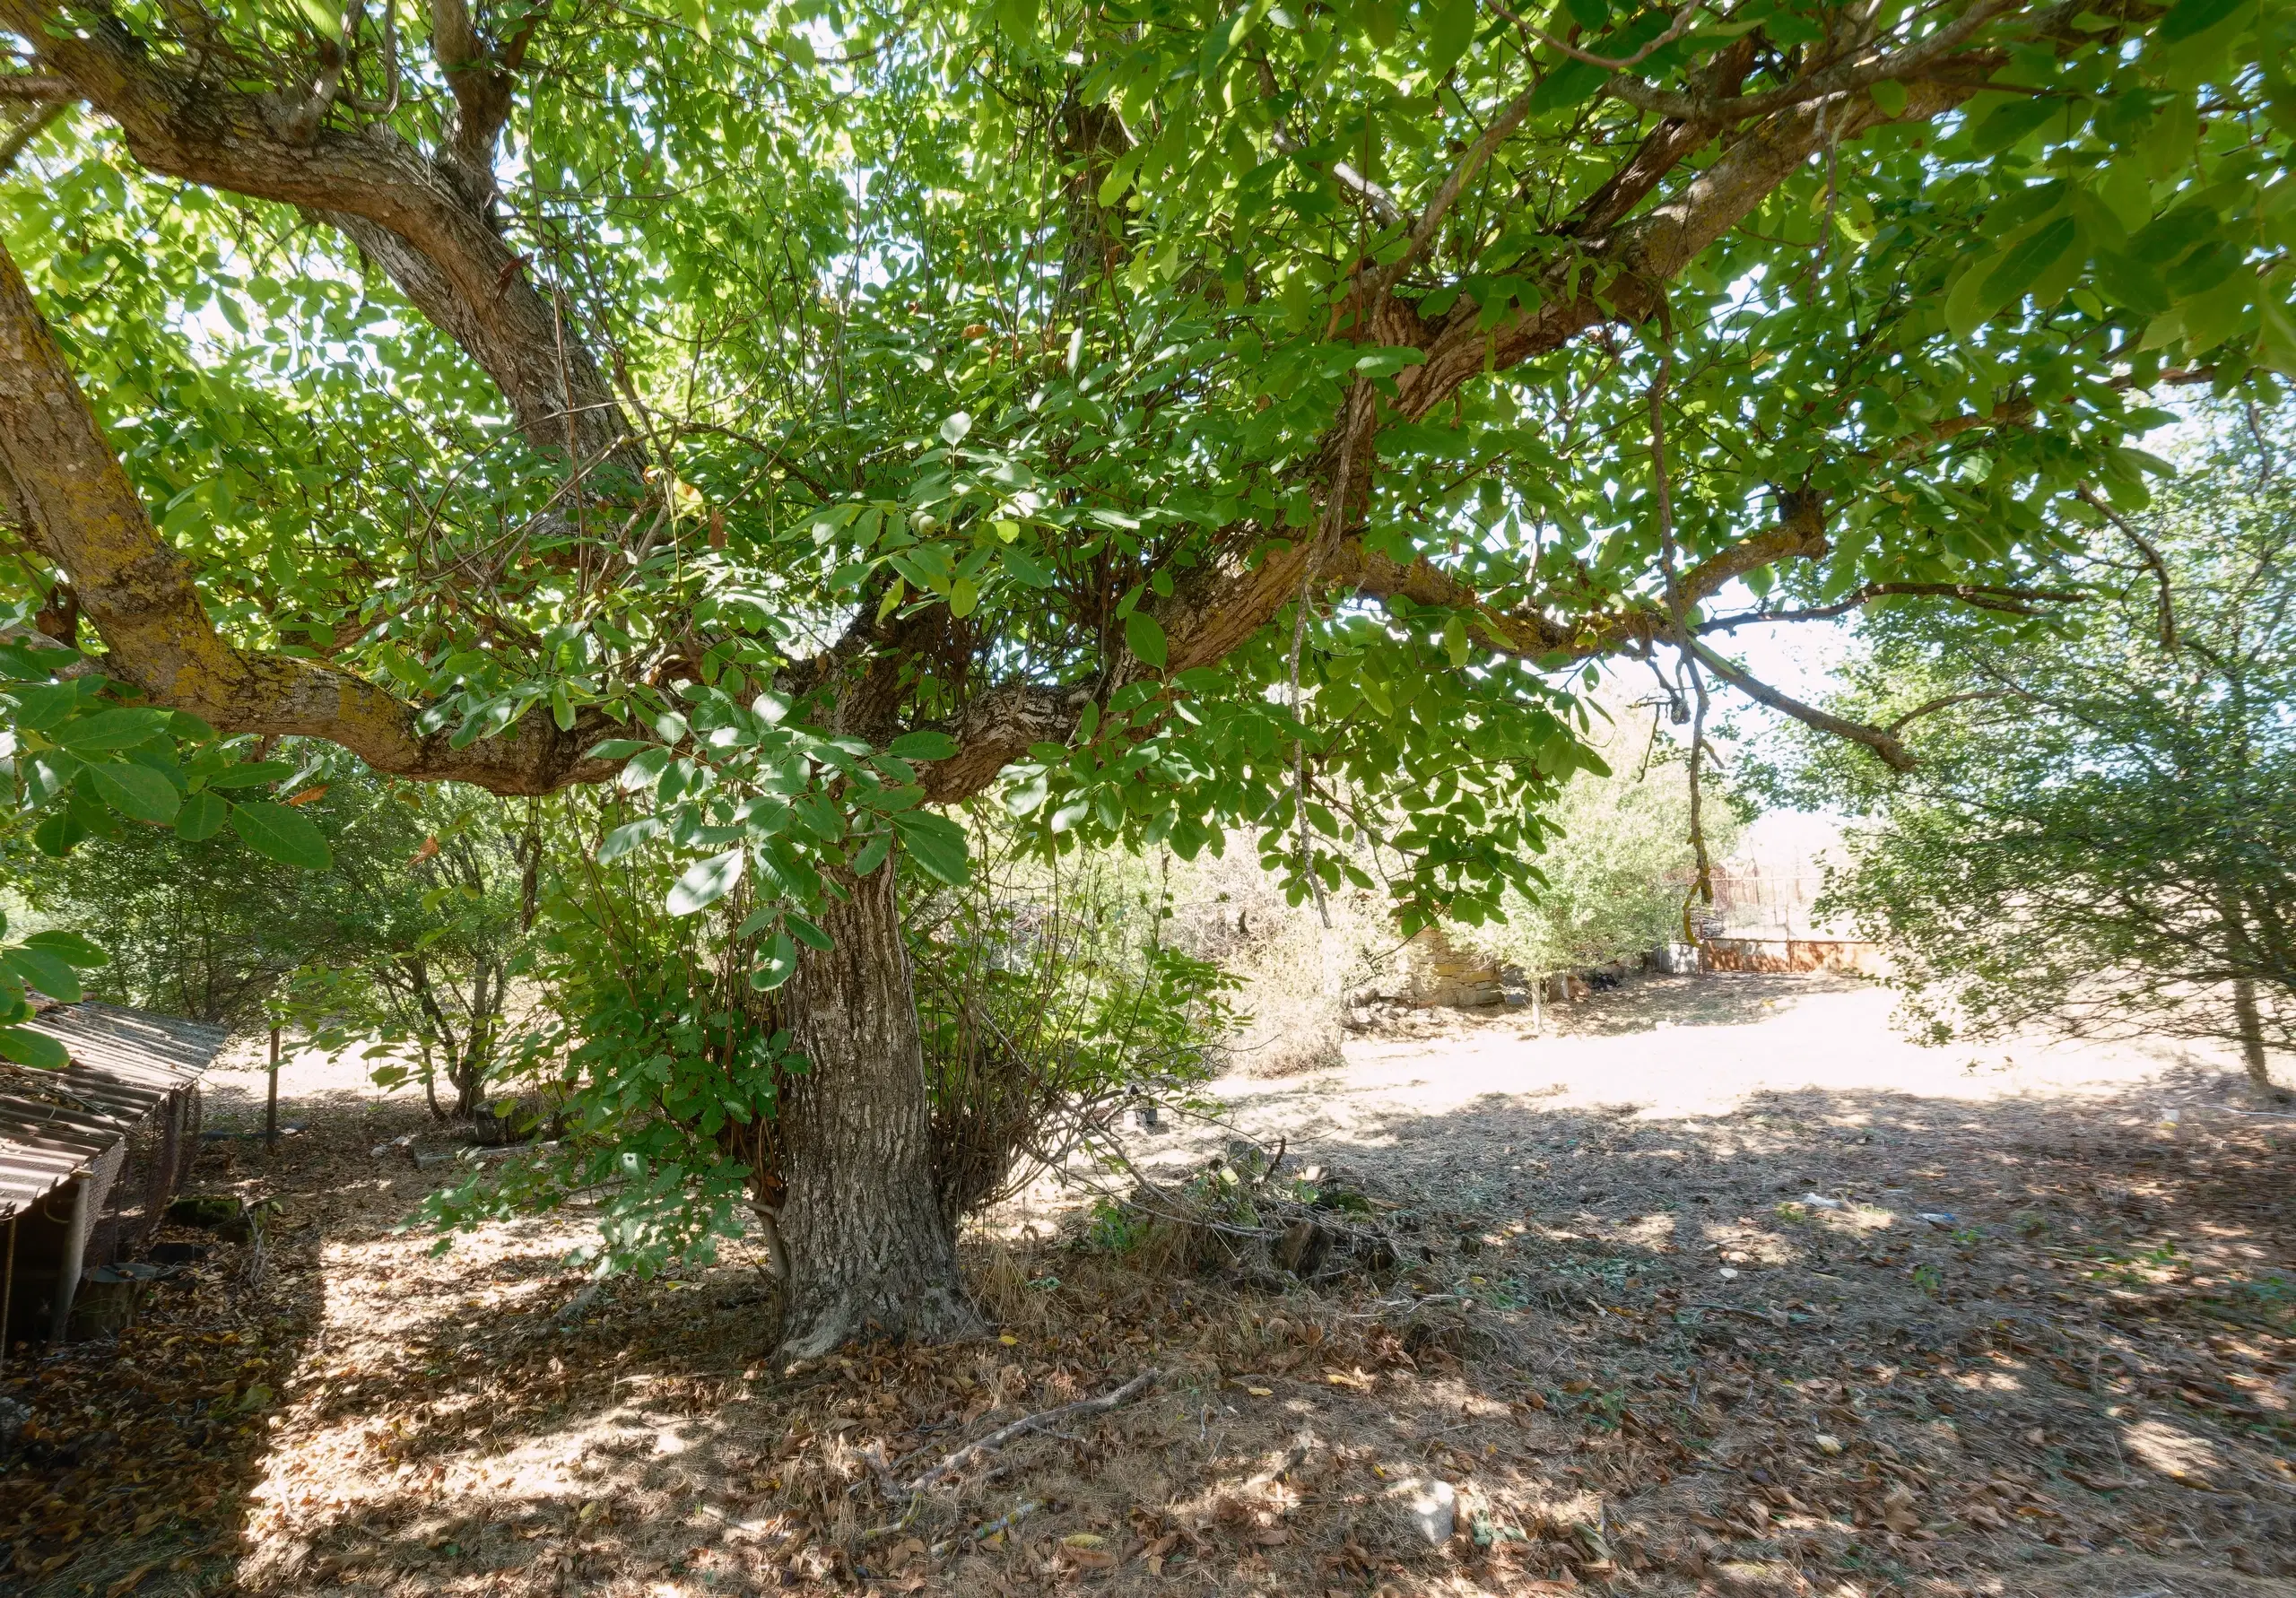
<point>1028,1423</point>
<point>1768,1318</point>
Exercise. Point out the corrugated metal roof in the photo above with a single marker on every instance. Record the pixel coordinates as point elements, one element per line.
<point>125,1063</point>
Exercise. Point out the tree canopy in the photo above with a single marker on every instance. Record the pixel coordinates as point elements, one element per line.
<point>1010,371</point>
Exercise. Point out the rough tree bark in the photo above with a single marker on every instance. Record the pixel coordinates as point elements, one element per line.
<point>870,1250</point>
<point>2251,1024</point>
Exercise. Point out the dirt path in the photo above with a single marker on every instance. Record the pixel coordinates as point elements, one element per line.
<point>1645,1360</point>
<point>1464,1103</point>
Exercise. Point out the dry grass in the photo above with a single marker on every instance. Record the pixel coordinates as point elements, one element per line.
<point>1295,971</point>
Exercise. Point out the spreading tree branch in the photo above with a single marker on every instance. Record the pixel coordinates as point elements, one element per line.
<point>1878,740</point>
<point>424,220</point>
<point>63,483</point>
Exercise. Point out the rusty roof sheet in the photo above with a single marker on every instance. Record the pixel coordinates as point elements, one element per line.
<point>125,1063</point>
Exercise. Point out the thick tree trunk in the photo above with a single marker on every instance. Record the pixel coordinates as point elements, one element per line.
<point>2251,1024</point>
<point>871,1252</point>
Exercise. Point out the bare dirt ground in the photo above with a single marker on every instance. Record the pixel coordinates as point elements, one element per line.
<point>1622,1326</point>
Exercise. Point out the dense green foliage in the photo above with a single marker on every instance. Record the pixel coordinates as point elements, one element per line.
<point>1049,997</point>
<point>2101,838</point>
<point>1619,877</point>
<point>1023,315</point>
<point>433,892</point>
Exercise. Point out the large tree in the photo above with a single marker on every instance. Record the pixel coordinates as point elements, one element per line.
<point>2100,838</point>
<point>1187,417</point>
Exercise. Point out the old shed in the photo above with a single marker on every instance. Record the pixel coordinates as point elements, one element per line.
<point>90,1155</point>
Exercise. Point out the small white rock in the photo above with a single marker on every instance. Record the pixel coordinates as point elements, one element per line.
<point>1819,1200</point>
<point>1729,1274</point>
<point>1433,1507</point>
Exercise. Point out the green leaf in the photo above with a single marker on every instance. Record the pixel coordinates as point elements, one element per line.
<point>935,843</point>
<point>627,836</point>
<point>111,729</point>
<point>36,1049</point>
<point>1574,83</point>
<point>2027,259</point>
<point>775,965</point>
<point>618,749</point>
<point>52,976</point>
<point>705,882</point>
<point>2191,18</point>
<point>810,935</point>
<point>278,833</point>
<point>250,774</point>
<point>925,745</point>
<point>57,835</point>
<point>2129,281</point>
<point>43,707</point>
<point>1455,640</point>
<point>202,817</point>
<point>2011,121</point>
<point>872,853</point>
<point>1225,36</point>
<point>1449,30</point>
<point>954,429</point>
<point>1144,639</point>
<point>136,791</point>
<point>1889,96</point>
<point>2276,338</point>
<point>68,946</point>
<point>1025,569</point>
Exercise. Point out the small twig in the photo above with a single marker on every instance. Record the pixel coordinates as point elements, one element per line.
<point>1932,707</point>
<point>2144,547</point>
<point>1003,1522</point>
<point>1291,1458</point>
<point>1680,26</point>
<point>1504,124</point>
<point>1028,1423</point>
<point>1758,1315</point>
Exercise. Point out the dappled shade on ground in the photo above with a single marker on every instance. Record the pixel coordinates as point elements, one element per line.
<point>1643,1358</point>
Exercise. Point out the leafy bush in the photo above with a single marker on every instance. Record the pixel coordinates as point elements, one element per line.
<point>1050,999</point>
<point>210,925</point>
<point>1619,870</point>
<point>2100,838</point>
<point>1047,997</point>
<point>433,893</point>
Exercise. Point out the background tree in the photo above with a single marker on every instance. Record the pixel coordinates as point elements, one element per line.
<point>432,912</point>
<point>406,941</point>
<point>1189,421</point>
<point>2101,839</point>
<point>1618,875</point>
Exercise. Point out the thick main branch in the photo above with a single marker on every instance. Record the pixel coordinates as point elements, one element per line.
<point>65,488</point>
<point>425,222</point>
